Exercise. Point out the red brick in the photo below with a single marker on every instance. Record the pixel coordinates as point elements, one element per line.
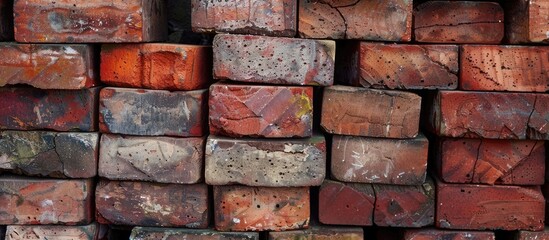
<point>266,163</point>
<point>320,233</point>
<point>60,110</point>
<point>262,17</point>
<point>346,203</point>
<point>370,113</point>
<point>152,204</point>
<point>379,160</point>
<point>241,208</point>
<point>504,68</point>
<point>438,234</point>
<point>26,201</point>
<point>363,19</point>
<point>155,159</point>
<point>527,235</point>
<point>6,20</point>
<point>526,21</point>
<point>150,233</point>
<point>86,232</point>
<point>152,112</point>
<point>261,111</point>
<point>274,60</point>
<point>91,21</point>
<point>156,66</point>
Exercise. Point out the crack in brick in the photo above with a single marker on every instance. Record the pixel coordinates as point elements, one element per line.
<point>455,24</point>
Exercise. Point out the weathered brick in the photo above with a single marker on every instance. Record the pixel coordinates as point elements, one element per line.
<point>320,233</point>
<point>261,111</point>
<point>260,17</point>
<point>45,201</point>
<point>274,60</point>
<point>379,160</point>
<point>513,162</point>
<point>526,21</point>
<point>458,22</point>
<point>152,204</point>
<point>370,113</point>
<point>405,206</point>
<point>504,68</point>
<point>85,232</point>
<point>156,159</point>
<point>266,163</point>
<point>362,19</point>
<point>91,21</point>
<point>478,207</point>
<point>61,155</point>
<point>156,66</point>
<point>438,234</point>
<point>528,235</point>
<point>152,112</point>
<point>150,233</point>
<point>6,20</point>
<point>241,208</point>
<point>346,203</point>
<point>60,110</point>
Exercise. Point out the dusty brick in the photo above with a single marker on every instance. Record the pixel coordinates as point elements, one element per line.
<point>241,208</point>
<point>273,60</point>
<point>150,233</point>
<point>261,111</point>
<point>156,66</point>
<point>526,21</point>
<point>504,68</point>
<point>528,235</point>
<point>320,233</point>
<point>346,203</point>
<point>152,204</point>
<point>379,160</point>
<point>6,20</point>
<point>156,159</point>
<point>60,110</point>
<point>266,163</point>
<point>152,112</point>
<point>61,155</point>
<point>363,19</point>
<point>370,113</point>
<point>91,21</point>
<point>86,232</point>
<point>438,234</point>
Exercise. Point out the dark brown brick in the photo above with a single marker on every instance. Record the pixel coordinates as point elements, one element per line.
<point>346,203</point>
<point>85,232</point>
<point>150,233</point>
<point>526,21</point>
<point>438,234</point>
<point>320,233</point>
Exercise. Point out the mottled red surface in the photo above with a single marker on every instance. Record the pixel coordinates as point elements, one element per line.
<point>526,21</point>
<point>528,235</point>
<point>439,234</point>
<point>86,232</point>
<point>346,203</point>
<point>320,233</point>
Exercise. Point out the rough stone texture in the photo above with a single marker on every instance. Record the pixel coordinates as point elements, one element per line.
<point>261,17</point>
<point>59,110</point>
<point>6,20</point>
<point>320,233</point>
<point>152,112</point>
<point>86,232</point>
<point>360,19</point>
<point>152,204</point>
<point>156,66</point>
<point>526,21</point>
<point>505,68</point>
<point>25,201</point>
<point>90,21</point>
<point>370,113</point>
<point>273,60</point>
<point>405,206</point>
<point>61,155</point>
<point>346,203</point>
<point>266,163</point>
<point>241,208</point>
<point>490,115</point>
<point>379,160</point>
<point>528,235</point>
<point>489,207</point>
<point>438,234</point>
<point>156,159</point>
<point>261,111</point>
<point>513,162</point>
<point>149,233</point>
<point>458,22</point>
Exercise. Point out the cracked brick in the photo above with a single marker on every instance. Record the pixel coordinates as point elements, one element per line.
<point>526,21</point>
<point>85,232</point>
<point>343,203</point>
<point>152,233</point>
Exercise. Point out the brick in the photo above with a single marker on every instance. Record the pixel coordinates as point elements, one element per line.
<point>85,232</point>
<point>370,113</point>
<point>346,203</point>
<point>59,110</point>
<point>363,19</point>
<point>25,201</point>
<point>526,21</point>
<point>458,22</point>
<point>156,66</point>
<point>152,112</point>
<point>513,162</point>
<point>266,163</point>
<point>405,206</point>
<point>435,234</point>
<point>320,233</point>
<point>261,111</point>
<point>379,160</point>
<point>504,68</point>
<point>241,208</point>
<point>262,17</point>
<point>150,233</point>
<point>528,235</point>
<point>152,204</point>
<point>155,159</point>
<point>92,21</point>
<point>53,154</point>
<point>273,60</point>
<point>489,207</point>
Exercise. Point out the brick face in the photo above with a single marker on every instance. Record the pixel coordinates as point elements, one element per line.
<point>86,232</point>
<point>346,203</point>
<point>152,233</point>
<point>526,21</point>
<point>320,233</point>
<point>434,234</point>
